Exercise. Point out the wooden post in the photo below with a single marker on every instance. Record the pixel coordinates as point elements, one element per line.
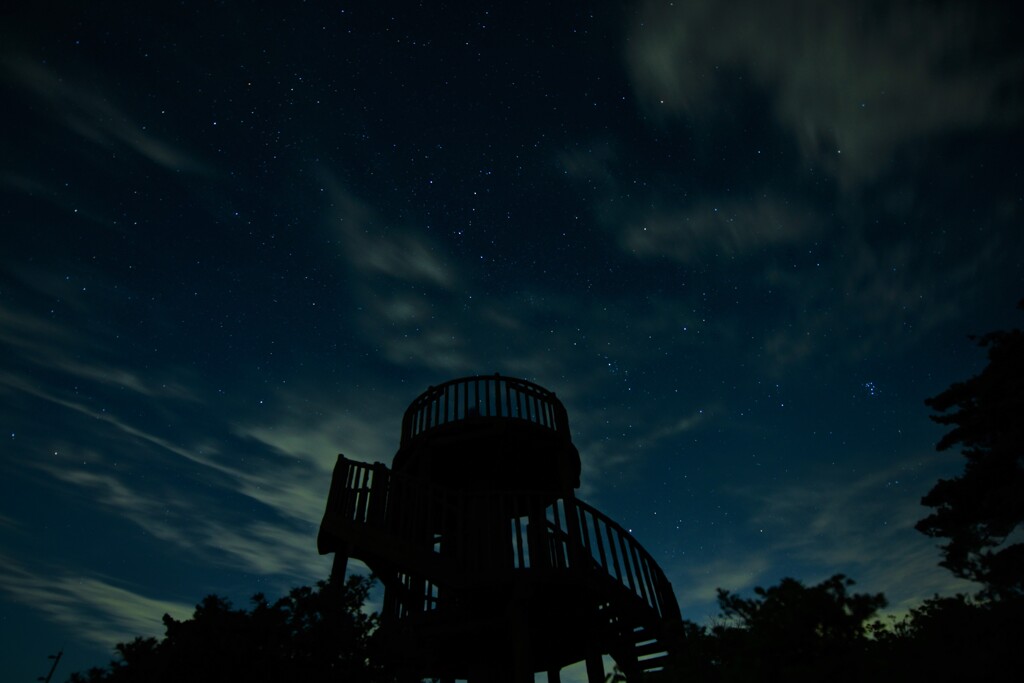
<point>378,495</point>
<point>536,535</point>
<point>519,635</point>
<point>578,556</point>
<point>595,668</point>
<point>337,494</point>
<point>340,564</point>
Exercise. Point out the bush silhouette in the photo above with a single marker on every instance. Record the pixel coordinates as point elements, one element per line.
<point>312,634</point>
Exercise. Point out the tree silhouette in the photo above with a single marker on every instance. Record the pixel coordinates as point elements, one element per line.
<point>980,509</point>
<point>954,639</point>
<point>312,634</point>
<point>793,633</point>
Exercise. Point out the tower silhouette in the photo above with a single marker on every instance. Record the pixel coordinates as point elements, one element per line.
<point>492,568</point>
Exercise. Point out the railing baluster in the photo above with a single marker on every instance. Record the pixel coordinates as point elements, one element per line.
<point>653,598</point>
<point>623,545</point>
<point>488,396</point>
<point>357,492</point>
<point>363,486</point>
<point>444,413</point>
<point>637,565</point>
<point>613,552</point>
<point>556,537</point>
<point>564,534</point>
<point>347,501</point>
<point>581,524</point>
<point>600,542</point>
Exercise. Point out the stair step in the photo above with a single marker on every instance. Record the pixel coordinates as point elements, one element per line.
<point>642,634</point>
<point>649,648</point>
<point>653,663</point>
<point>657,677</point>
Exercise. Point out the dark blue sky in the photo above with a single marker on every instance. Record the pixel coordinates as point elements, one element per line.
<point>742,241</point>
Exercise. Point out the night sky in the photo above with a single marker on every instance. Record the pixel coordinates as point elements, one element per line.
<point>742,241</point>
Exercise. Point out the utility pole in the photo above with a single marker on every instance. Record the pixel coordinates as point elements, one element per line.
<point>56,660</point>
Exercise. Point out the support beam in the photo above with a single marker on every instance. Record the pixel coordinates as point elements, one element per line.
<point>519,637</point>
<point>340,564</point>
<point>595,668</point>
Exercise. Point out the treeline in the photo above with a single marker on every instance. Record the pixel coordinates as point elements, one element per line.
<point>824,633</point>
<point>786,633</point>
<point>312,634</point>
<point>796,633</point>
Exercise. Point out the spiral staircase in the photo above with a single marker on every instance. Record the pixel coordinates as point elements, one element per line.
<point>492,568</point>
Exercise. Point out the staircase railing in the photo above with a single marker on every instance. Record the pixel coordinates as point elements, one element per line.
<point>484,396</point>
<point>621,557</point>
<point>560,535</point>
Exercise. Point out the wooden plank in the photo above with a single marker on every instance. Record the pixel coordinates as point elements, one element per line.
<point>600,542</point>
<point>614,553</point>
<point>638,566</point>
<point>626,560</point>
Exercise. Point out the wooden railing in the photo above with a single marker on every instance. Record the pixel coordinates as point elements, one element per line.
<point>484,396</point>
<point>622,558</point>
<point>509,532</point>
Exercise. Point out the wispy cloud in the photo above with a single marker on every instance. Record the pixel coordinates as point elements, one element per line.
<point>287,490</point>
<point>92,114</point>
<point>89,606</point>
<point>726,230</point>
<point>372,246</point>
<point>26,331</point>
<point>362,428</point>
<point>682,425</point>
<point>40,345</point>
<point>267,544</point>
<point>851,83</point>
<point>116,377</point>
<point>406,295</point>
<point>197,456</point>
<point>696,584</point>
<point>859,525</point>
<point>865,298</point>
<point>437,345</point>
<point>265,549</point>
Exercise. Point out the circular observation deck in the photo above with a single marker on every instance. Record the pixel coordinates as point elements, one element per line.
<point>489,432</point>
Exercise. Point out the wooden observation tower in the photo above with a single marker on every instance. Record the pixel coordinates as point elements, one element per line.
<point>492,568</point>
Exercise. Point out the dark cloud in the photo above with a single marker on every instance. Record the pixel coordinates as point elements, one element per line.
<point>734,228</point>
<point>89,113</point>
<point>852,82</point>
